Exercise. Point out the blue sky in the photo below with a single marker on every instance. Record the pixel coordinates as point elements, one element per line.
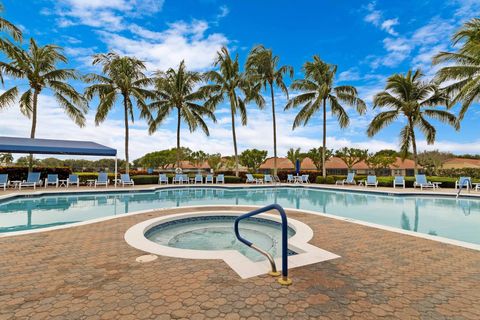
<point>368,40</point>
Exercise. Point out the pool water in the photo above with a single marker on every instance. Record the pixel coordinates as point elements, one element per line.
<point>216,233</point>
<point>448,217</point>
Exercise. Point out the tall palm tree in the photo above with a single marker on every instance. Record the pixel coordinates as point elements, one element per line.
<point>415,100</point>
<point>317,90</point>
<point>178,90</point>
<point>228,83</point>
<point>38,66</point>
<point>262,68</point>
<point>9,28</point>
<point>465,73</point>
<point>123,77</point>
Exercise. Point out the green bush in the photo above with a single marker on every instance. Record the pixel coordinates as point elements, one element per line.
<point>20,173</point>
<point>233,179</point>
<point>145,179</point>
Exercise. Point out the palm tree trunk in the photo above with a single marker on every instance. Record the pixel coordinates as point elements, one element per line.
<point>234,134</point>
<point>324,170</point>
<point>414,147</point>
<point>34,125</point>
<point>274,132</point>
<point>125,106</point>
<point>178,137</point>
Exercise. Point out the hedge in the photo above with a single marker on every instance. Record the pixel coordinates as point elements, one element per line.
<point>20,173</point>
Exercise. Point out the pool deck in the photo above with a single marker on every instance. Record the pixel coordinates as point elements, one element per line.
<point>90,272</point>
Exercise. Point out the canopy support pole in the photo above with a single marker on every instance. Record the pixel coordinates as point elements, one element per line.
<point>115,178</point>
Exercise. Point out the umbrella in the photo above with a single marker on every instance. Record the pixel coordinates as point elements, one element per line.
<point>297,167</point>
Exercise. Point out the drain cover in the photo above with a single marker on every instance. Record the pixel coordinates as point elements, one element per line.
<point>146,258</point>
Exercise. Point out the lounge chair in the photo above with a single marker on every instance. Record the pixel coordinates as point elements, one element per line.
<point>290,178</point>
<point>267,178</point>
<point>399,181</point>
<point>276,179</point>
<point>198,178</point>
<point>52,179</point>
<point>221,178</point>
<point>421,181</point>
<point>209,178</point>
<point>305,178</point>
<point>463,182</point>
<point>126,180</point>
<point>162,178</point>
<point>178,178</point>
<point>33,180</point>
<point>371,181</point>
<point>4,181</point>
<point>251,179</point>
<point>73,180</point>
<point>350,179</point>
<point>102,180</point>
<point>185,178</point>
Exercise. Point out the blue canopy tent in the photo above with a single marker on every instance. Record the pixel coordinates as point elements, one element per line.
<point>50,146</point>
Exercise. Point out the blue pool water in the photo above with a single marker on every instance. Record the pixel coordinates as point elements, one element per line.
<point>443,216</point>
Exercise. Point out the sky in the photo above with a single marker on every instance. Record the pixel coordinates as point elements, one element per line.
<point>367,40</point>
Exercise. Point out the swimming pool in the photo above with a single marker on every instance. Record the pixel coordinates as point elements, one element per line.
<point>457,219</point>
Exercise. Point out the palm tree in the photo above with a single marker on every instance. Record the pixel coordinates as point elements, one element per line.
<point>123,77</point>
<point>318,90</point>
<point>178,90</point>
<point>38,65</point>
<point>295,154</point>
<point>465,73</point>
<point>262,68</point>
<point>9,28</point>
<point>228,83</point>
<point>415,100</point>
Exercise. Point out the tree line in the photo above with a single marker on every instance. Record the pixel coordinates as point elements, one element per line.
<point>192,97</point>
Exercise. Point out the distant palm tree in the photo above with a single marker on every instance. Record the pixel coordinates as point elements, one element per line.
<point>318,90</point>
<point>465,73</point>
<point>38,66</point>
<point>414,99</point>
<point>122,77</point>
<point>295,154</point>
<point>228,83</point>
<point>262,68</point>
<point>178,90</point>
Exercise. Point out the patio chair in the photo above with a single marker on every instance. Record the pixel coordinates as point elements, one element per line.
<point>52,179</point>
<point>33,180</point>
<point>276,179</point>
<point>102,180</point>
<point>371,181</point>
<point>250,178</point>
<point>463,182</point>
<point>162,178</point>
<point>350,179</point>
<point>73,180</point>
<point>185,178</point>
<point>290,178</point>
<point>399,181</point>
<point>198,178</point>
<point>126,180</point>
<point>305,178</point>
<point>177,178</point>
<point>267,178</point>
<point>421,181</point>
<point>221,178</point>
<point>4,181</point>
<point>209,178</point>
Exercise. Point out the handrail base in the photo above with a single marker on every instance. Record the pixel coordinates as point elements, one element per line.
<point>274,273</point>
<point>285,281</point>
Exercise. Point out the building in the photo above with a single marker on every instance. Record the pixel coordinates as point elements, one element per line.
<point>336,166</point>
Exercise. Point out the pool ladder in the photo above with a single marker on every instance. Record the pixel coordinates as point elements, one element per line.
<point>283,280</point>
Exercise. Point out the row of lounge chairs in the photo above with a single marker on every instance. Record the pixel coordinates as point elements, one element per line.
<point>267,178</point>
<point>184,178</point>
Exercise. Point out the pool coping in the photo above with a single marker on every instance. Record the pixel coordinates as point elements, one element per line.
<point>306,253</point>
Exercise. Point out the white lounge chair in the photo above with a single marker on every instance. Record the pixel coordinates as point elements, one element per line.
<point>422,182</point>
<point>126,180</point>
<point>251,179</point>
<point>209,178</point>
<point>371,181</point>
<point>52,179</point>
<point>198,178</point>
<point>463,182</point>
<point>221,178</point>
<point>178,178</point>
<point>305,178</point>
<point>73,180</point>
<point>399,181</point>
<point>102,180</point>
<point>267,178</point>
<point>162,178</point>
<point>290,178</point>
<point>4,181</point>
<point>350,179</point>
<point>33,180</point>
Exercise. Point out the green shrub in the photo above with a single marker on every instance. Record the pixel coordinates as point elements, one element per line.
<point>145,179</point>
<point>20,173</point>
<point>233,179</point>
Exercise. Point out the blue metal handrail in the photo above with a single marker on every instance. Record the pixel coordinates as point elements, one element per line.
<point>284,280</point>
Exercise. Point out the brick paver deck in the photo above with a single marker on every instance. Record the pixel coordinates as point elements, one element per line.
<point>90,272</point>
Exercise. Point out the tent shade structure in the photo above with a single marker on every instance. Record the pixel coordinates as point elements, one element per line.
<point>49,146</point>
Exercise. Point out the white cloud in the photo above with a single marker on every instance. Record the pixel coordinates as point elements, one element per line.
<point>162,50</point>
<point>375,17</point>
<point>224,11</point>
<point>388,24</point>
